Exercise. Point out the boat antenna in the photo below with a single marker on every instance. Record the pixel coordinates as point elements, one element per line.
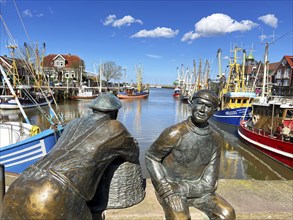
<point>288,32</point>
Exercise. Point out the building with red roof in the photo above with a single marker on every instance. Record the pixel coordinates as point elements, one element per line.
<point>282,76</point>
<point>61,67</point>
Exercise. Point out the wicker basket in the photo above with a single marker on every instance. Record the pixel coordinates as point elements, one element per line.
<point>121,186</point>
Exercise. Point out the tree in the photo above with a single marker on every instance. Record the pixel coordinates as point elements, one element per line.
<point>110,70</point>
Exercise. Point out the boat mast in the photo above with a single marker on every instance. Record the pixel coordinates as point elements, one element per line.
<point>139,78</point>
<point>14,95</point>
<point>219,63</point>
<point>101,74</point>
<point>243,72</point>
<point>14,68</point>
<point>199,76</point>
<point>207,75</point>
<point>265,71</point>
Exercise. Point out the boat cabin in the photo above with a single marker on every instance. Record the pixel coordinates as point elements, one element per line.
<point>273,116</point>
<point>237,100</point>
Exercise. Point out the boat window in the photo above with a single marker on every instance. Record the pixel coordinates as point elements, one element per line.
<point>280,113</point>
<point>244,101</point>
<point>238,100</point>
<point>289,114</point>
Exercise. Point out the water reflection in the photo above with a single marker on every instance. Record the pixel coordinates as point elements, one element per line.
<point>147,118</point>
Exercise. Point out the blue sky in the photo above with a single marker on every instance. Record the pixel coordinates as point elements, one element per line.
<point>159,35</point>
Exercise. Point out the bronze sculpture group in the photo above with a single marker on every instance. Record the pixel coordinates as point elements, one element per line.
<point>183,164</point>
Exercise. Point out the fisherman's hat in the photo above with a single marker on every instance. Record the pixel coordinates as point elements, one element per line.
<point>106,102</point>
<point>207,95</point>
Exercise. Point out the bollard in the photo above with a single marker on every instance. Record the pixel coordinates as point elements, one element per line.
<point>2,183</point>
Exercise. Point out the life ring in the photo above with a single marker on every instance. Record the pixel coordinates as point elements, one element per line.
<point>255,119</point>
<point>34,130</point>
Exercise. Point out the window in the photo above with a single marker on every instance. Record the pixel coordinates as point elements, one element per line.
<point>279,74</point>
<point>279,82</point>
<point>286,82</point>
<point>286,73</point>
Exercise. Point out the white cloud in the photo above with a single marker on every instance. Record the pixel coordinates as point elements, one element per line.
<point>109,20</point>
<point>27,13</point>
<point>40,15</point>
<point>270,20</point>
<point>217,24</point>
<point>190,36</point>
<point>126,20</point>
<point>156,33</point>
<point>154,56</point>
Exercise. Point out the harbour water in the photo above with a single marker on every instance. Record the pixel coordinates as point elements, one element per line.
<point>147,118</point>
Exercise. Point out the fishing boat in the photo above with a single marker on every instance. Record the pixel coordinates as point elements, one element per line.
<point>176,93</point>
<point>135,92</point>
<point>29,96</point>
<point>20,148</point>
<point>132,93</point>
<point>270,130</point>
<point>235,97</point>
<point>84,93</point>
<point>22,144</point>
<point>178,83</point>
<point>184,82</point>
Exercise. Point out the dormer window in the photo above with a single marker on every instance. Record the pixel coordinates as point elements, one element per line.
<point>284,62</point>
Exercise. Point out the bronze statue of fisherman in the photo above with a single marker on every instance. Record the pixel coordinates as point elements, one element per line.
<point>183,164</point>
<point>64,183</point>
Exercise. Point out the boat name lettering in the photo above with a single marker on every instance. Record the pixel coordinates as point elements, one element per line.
<point>231,112</point>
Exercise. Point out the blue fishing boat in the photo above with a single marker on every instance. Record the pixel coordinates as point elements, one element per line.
<point>20,155</point>
<point>235,97</point>
<point>233,114</point>
<point>22,144</point>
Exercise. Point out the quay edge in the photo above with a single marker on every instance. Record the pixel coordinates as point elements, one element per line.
<point>251,199</point>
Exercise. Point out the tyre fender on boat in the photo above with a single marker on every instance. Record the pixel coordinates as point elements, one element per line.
<point>255,119</point>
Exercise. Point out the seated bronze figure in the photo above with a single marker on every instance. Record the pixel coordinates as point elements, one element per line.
<point>65,183</point>
<point>183,164</point>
